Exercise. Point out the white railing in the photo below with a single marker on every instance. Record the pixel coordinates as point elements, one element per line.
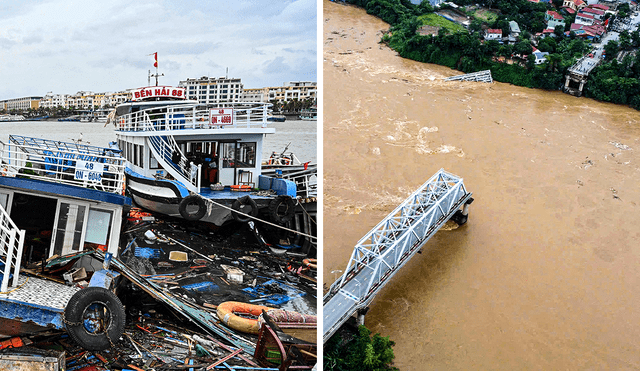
<point>306,181</point>
<point>166,150</point>
<point>193,116</point>
<point>11,244</point>
<point>63,163</point>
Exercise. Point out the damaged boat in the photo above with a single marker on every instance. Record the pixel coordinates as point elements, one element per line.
<point>187,160</point>
<point>56,198</point>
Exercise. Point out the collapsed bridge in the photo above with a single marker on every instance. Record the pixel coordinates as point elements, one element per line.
<point>390,244</point>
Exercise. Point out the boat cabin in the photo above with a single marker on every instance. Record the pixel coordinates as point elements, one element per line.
<point>67,197</point>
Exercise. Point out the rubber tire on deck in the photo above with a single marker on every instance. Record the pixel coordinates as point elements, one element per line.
<point>275,204</point>
<point>242,201</point>
<point>202,208</point>
<point>73,313</point>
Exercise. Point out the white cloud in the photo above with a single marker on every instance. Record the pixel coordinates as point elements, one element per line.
<point>69,45</point>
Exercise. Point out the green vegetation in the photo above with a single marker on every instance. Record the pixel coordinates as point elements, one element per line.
<point>466,51</point>
<point>362,353</point>
<point>485,15</point>
<point>435,20</point>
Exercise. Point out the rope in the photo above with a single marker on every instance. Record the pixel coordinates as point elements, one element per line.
<point>258,219</point>
<point>10,291</point>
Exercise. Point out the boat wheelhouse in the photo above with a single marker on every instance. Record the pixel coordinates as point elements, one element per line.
<point>177,148</point>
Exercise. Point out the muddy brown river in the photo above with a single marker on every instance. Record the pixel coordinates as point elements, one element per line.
<point>545,275</point>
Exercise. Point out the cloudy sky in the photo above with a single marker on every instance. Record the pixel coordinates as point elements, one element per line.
<point>66,46</point>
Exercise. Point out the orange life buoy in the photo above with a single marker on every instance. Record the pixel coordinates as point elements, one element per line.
<point>240,188</point>
<point>227,314</point>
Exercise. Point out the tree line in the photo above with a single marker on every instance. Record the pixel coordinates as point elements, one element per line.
<point>612,81</point>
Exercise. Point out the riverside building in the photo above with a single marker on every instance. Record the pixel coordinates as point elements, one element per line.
<point>211,90</point>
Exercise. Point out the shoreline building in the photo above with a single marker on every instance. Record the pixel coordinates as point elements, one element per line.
<point>23,103</point>
<point>211,90</point>
<point>289,91</point>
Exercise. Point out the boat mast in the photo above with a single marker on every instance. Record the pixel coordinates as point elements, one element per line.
<point>155,64</point>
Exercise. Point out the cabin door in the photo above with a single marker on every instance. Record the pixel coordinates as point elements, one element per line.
<point>69,228</point>
<point>227,163</point>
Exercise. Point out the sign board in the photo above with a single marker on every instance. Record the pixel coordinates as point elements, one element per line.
<point>159,92</point>
<point>221,116</point>
<point>89,171</point>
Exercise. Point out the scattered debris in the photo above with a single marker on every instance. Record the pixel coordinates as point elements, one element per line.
<point>172,277</point>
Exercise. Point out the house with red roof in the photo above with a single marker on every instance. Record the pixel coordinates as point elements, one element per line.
<point>554,19</point>
<point>574,5</point>
<point>493,34</point>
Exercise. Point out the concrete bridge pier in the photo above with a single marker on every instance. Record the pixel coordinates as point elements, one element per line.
<point>361,313</point>
<point>573,79</point>
<point>461,216</point>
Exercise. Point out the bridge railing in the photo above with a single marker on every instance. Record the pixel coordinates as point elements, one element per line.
<point>390,244</point>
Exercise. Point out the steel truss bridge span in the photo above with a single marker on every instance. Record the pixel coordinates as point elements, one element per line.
<point>391,243</point>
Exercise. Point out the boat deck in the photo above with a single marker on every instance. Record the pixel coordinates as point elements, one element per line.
<point>44,294</point>
<point>227,194</point>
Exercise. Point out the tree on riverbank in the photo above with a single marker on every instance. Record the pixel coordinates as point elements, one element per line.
<point>514,64</point>
<point>361,353</point>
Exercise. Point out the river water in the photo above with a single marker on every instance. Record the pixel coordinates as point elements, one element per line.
<point>545,273</point>
<point>301,134</point>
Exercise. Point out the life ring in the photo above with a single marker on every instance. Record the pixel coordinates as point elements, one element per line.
<point>239,204</point>
<point>310,263</point>
<point>189,200</point>
<point>240,188</point>
<point>226,313</point>
<point>282,209</point>
<point>94,318</point>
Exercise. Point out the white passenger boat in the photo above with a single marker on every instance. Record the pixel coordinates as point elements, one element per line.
<point>199,163</point>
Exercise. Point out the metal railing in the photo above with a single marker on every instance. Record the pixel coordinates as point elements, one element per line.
<point>193,116</point>
<point>306,181</point>
<point>11,244</point>
<point>61,162</point>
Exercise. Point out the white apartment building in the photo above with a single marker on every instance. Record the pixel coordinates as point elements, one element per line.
<point>211,90</point>
<point>299,90</point>
<point>51,100</point>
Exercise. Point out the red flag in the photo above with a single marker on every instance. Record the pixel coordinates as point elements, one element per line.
<point>156,58</point>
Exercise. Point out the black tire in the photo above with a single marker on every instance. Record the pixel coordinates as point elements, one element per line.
<point>239,204</point>
<point>189,200</point>
<point>109,308</point>
<point>282,209</point>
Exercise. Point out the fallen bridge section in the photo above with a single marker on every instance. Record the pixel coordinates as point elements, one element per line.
<point>391,243</point>
<point>481,76</point>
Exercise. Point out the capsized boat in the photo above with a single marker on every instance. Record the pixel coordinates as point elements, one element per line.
<point>187,160</point>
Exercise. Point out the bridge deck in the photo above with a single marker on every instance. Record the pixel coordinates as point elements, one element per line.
<point>390,244</point>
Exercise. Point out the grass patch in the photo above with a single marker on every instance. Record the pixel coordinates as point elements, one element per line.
<point>435,20</point>
<point>485,15</point>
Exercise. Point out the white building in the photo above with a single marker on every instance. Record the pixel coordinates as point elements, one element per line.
<point>299,90</point>
<point>51,100</point>
<point>210,90</point>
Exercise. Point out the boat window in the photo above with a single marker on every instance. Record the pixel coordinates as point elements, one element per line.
<point>228,154</point>
<point>246,154</point>
<point>98,227</point>
<point>3,200</point>
<point>123,110</point>
<point>153,163</point>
